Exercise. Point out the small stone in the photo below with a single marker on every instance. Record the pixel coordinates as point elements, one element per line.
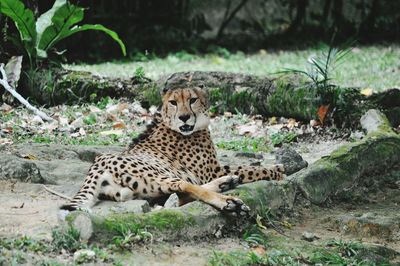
<point>84,255</point>
<point>372,120</point>
<point>83,223</point>
<point>291,160</point>
<point>356,135</point>
<point>172,202</point>
<point>310,237</point>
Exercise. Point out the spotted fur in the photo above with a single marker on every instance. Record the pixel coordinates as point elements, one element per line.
<point>174,155</point>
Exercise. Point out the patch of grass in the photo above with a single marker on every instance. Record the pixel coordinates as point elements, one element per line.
<point>68,240</point>
<point>24,244</point>
<point>374,67</point>
<point>278,139</point>
<point>245,144</point>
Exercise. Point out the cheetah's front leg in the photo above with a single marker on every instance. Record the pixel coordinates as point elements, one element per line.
<point>227,204</point>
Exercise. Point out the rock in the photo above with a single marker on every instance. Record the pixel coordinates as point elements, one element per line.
<point>357,135</point>
<point>13,167</point>
<point>82,222</point>
<point>291,160</point>
<point>249,155</point>
<point>172,201</point>
<point>371,225</point>
<point>310,237</point>
<point>373,120</point>
<point>105,208</point>
<point>84,255</point>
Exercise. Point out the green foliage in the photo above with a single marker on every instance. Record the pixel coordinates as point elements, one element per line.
<point>320,68</point>
<point>139,74</point>
<point>68,240</point>
<point>130,234</point>
<point>23,244</point>
<point>245,144</point>
<point>278,139</point>
<point>56,24</point>
<point>90,119</point>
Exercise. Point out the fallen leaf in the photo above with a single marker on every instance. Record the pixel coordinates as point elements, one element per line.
<point>119,125</point>
<point>112,132</point>
<point>259,250</point>
<point>82,132</point>
<point>292,123</point>
<point>314,123</point>
<point>322,112</point>
<point>228,114</point>
<point>6,108</point>
<point>272,120</point>
<point>7,130</point>
<point>4,141</point>
<point>367,91</point>
<point>94,109</point>
<point>29,156</point>
<point>248,129</point>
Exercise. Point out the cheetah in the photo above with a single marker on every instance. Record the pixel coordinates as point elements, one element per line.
<point>174,155</point>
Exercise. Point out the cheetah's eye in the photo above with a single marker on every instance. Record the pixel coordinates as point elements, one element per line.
<point>193,100</point>
<point>173,103</point>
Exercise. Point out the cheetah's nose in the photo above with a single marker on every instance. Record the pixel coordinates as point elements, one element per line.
<point>184,118</point>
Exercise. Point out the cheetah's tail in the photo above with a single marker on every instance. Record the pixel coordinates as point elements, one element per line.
<point>84,199</point>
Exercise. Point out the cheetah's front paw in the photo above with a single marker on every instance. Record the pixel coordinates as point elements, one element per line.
<point>236,207</point>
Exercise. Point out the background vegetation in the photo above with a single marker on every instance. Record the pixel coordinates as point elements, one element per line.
<point>160,27</point>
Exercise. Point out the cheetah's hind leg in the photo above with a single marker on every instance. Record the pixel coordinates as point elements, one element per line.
<point>104,189</point>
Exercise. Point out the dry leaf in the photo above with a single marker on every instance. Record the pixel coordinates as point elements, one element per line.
<point>29,156</point>
<point>94,109</point>
<point>228,114</point>
<point>4,141</point>
<point>119,125</point>
<point>112,132</point>
<point>272,120</point>
<point>314,123</point>
<point>7,130</point>
<point>322,112</point>
<point>367,92</point>
<point>292,123</point>
<point>248,129</point>
<point>82,132</point>
<point>259,250</point>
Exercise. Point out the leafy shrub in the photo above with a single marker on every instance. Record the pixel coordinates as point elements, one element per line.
<point>38,36</point>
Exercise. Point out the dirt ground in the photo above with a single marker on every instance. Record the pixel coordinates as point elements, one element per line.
<point>370,216</point>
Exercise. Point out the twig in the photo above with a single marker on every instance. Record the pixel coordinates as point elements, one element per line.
<point>23,213</point>
<point>56,193</point>
<point>4,82</point>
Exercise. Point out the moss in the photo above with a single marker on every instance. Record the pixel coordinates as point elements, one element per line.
<point>151,95</point>
<point>155,221</point>
<point>228,99</point>
<point>292,100</point>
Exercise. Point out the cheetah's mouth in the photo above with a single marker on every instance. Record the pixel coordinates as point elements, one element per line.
<point>186,128</point>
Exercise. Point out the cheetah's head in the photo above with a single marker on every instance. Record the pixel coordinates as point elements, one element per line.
<point>185,110</point>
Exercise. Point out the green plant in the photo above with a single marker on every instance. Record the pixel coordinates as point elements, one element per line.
<point>129,234</point>
<point>282,137</point>
<point>245,144</point>
<point>320,68</point>
<point>38,36</point>
<point>139,74</point>
<point>68,240</point>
